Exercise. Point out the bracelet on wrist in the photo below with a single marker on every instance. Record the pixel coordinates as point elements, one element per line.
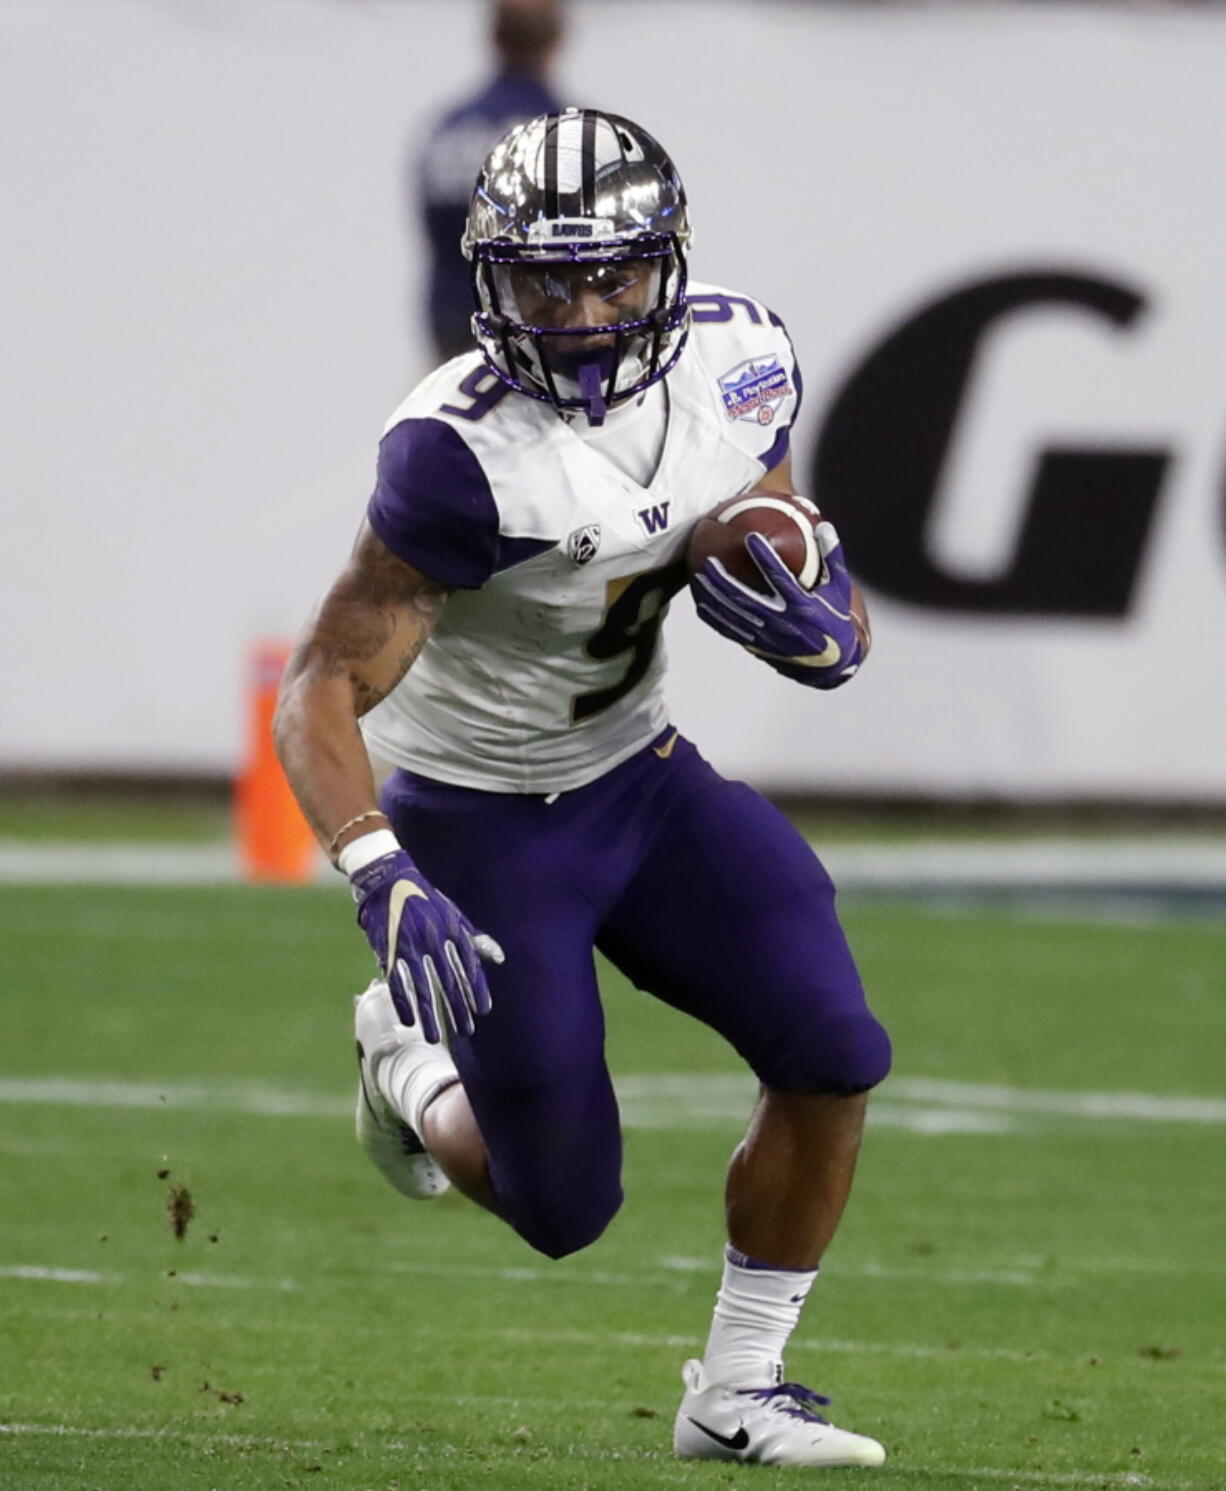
<point>352,823</point>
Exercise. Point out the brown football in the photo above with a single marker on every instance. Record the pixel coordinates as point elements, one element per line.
<point>785,520</point>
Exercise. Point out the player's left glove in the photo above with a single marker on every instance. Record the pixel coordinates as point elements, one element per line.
<point>808,635</point>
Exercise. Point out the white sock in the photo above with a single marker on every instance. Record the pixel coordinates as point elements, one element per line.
<point>412,1076</point>
<point>756,1311</point>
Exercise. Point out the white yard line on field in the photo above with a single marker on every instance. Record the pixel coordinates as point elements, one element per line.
<point>232,1097</point>
<point>1169,864</point>
<point>235,1281</point>
<point>716,1095</point>
<point>673,1274</point>
<point>117,863</point>
<point>706,1270</point>
<point>527,1274</point>
<point>1169,861</point>
<point>668,1276</point>
<point>821,1345</point>
<point>639,1339</point>
<point>40,1273</point>
<point>1131,1105</point>
<point>185,1436</point>
<point>671,1100</point>
<point>1022,1278</point>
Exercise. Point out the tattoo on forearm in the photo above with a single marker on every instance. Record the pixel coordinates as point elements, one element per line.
<point>366,695</point>
<point>372,626</point>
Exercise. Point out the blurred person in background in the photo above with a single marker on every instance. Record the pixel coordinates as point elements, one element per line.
<point>526,36</point>
<point>495,637</point>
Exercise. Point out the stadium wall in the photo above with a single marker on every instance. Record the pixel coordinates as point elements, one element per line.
<point>993,233</point>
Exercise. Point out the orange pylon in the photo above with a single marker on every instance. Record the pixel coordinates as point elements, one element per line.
<point>275,841</point>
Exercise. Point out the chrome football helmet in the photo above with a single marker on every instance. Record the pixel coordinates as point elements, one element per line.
<point>577,233</point>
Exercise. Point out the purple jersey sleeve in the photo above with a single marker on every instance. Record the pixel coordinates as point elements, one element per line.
<point>432,504</point>
<point>782,443</point>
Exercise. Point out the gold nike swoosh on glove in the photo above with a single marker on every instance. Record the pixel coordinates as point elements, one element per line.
<point>827,658</point>
<point>666,750</point>
<point>402,891</point>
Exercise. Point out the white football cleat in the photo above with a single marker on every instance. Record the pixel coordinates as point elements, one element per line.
<point>762,1426</point>
<point>395,1149</point>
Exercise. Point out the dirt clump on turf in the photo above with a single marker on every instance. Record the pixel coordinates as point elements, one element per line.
<point>180,1209</point>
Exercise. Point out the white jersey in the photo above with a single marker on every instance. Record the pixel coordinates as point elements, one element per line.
<point>546,667</point>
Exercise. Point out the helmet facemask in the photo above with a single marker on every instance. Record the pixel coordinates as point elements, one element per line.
<point>586,330</point>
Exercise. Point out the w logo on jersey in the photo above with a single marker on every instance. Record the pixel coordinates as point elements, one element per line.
<point>655,518</point>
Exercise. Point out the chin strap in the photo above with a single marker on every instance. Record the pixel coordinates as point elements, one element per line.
<point>592,389</point>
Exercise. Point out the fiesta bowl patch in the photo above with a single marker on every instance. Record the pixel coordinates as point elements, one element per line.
<point>755,389</point>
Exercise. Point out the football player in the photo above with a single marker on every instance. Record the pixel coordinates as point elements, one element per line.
<point>495,636</point>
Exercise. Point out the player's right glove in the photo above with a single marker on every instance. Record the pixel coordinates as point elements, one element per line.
<point>429,951</point>
<point>808,635</point>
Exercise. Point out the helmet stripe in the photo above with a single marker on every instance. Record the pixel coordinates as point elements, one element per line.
<point>553,207</point>
<point>570,164</point>
<point>587,173</point>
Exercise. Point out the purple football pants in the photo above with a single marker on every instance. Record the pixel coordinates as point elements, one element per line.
<point>697,889</point>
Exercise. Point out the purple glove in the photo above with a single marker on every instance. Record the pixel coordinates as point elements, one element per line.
<point>429,950</point>
<point>808,635</point>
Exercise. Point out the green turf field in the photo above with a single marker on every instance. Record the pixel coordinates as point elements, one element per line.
<point>1023,1294</point>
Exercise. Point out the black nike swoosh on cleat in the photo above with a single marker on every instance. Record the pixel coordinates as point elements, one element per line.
<point>738,1441</point>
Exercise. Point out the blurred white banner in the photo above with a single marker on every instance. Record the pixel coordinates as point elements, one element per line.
<point>995,235</point>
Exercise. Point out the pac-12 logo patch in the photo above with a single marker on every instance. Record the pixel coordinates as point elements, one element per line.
<point>755,389</point>
<point>583,543</point>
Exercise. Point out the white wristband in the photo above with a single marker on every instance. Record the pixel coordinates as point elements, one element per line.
<point>363,851</point>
